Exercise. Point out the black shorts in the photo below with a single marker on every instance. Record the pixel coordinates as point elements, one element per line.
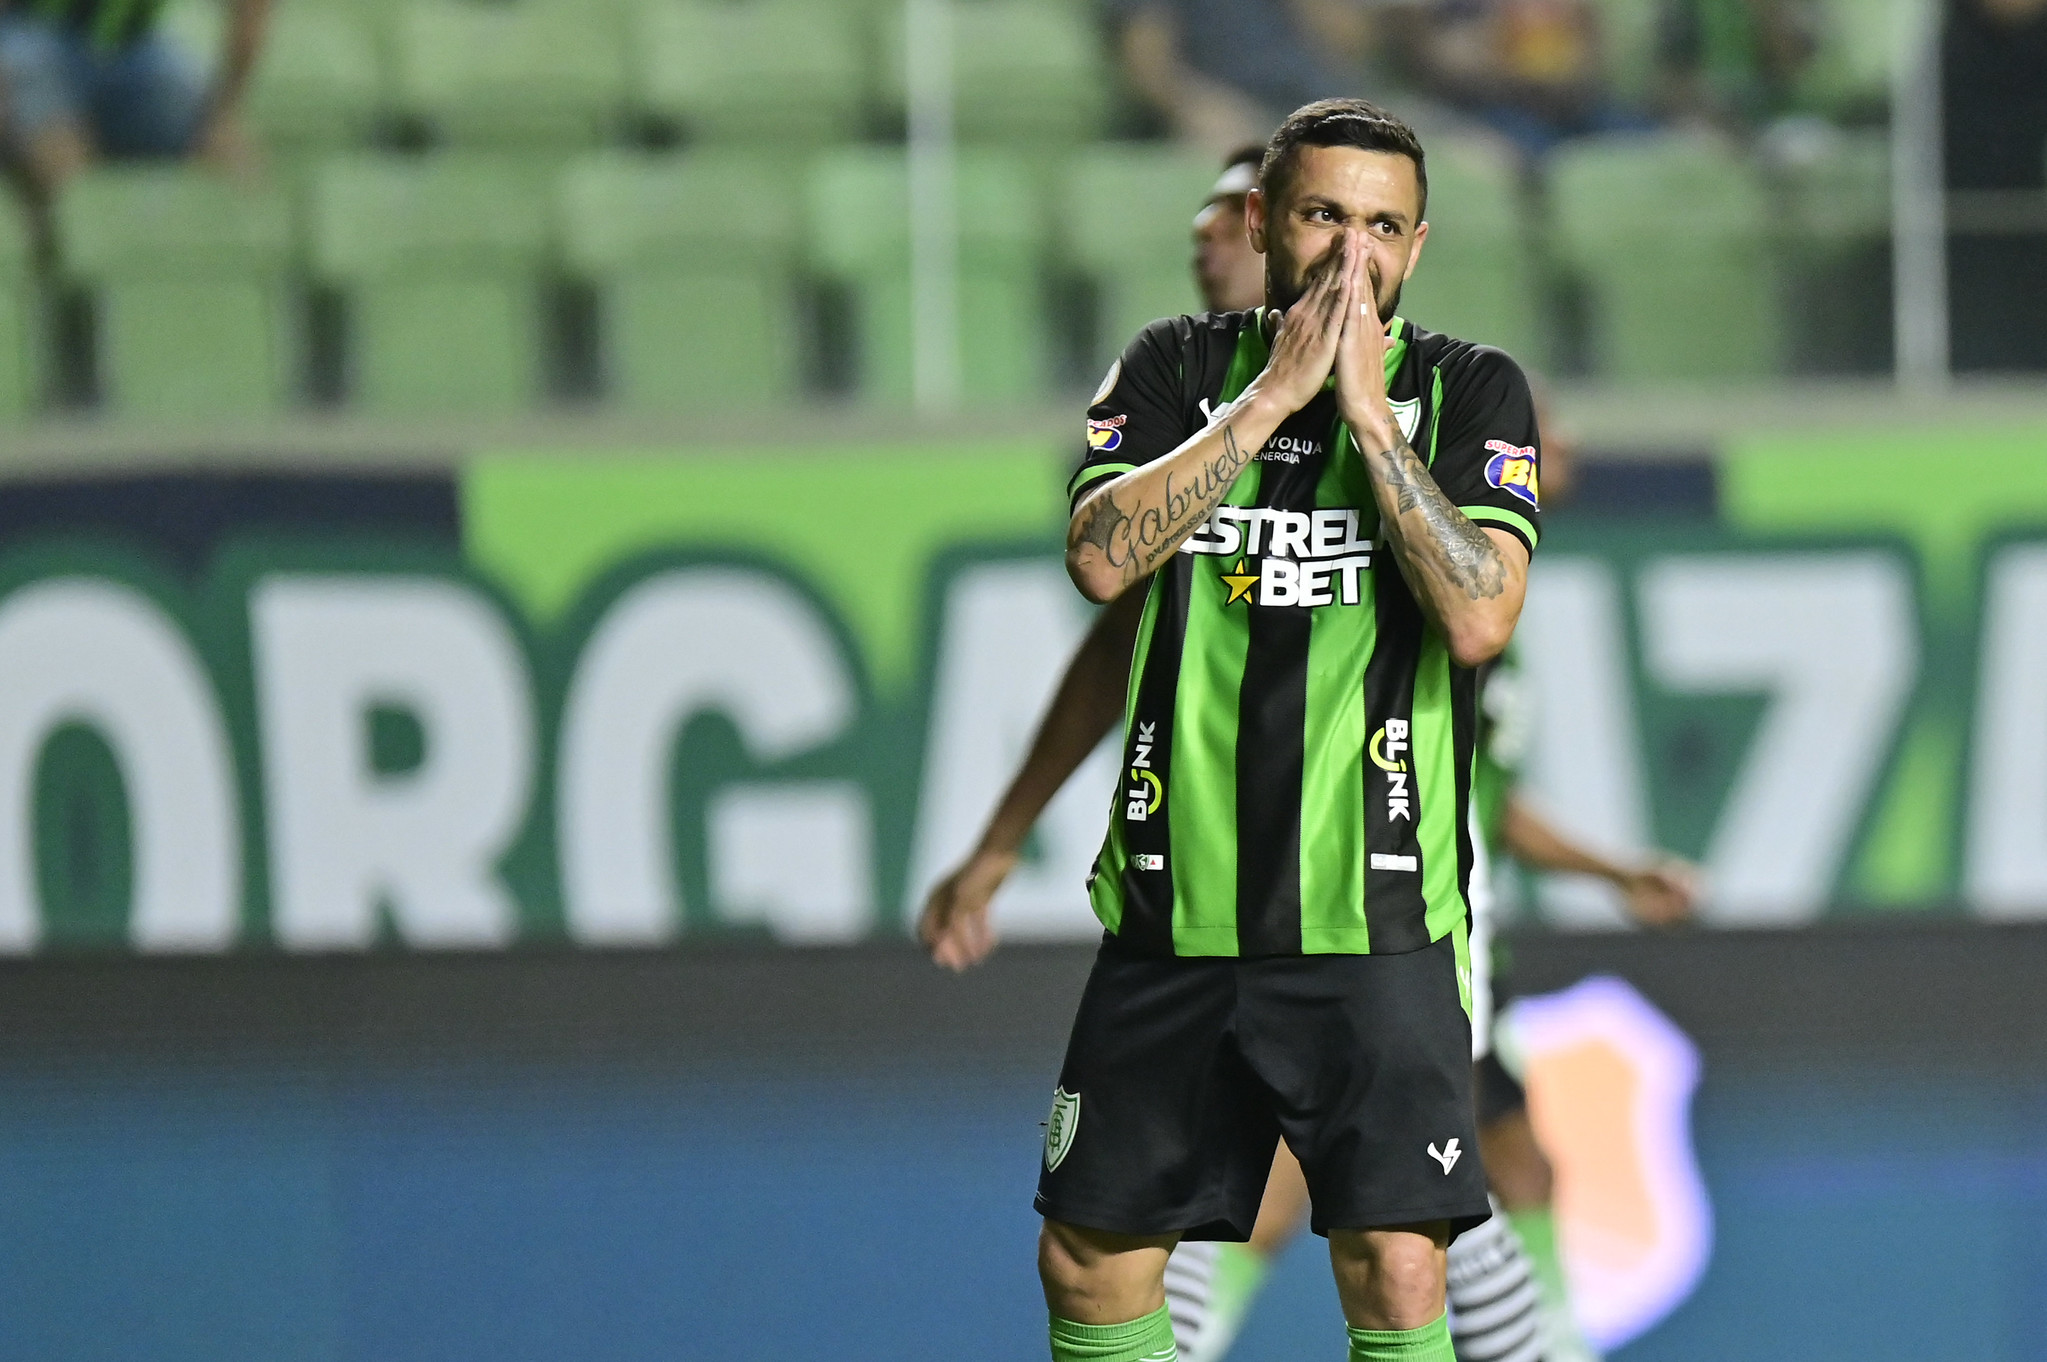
<point>1182,1074</point>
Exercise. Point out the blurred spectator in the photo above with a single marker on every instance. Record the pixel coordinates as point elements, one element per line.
<point>1528,69</point>
<point>1735,63</point>
<point>1994,74</point>
<point>83,79</point>
<point>1224,72</point>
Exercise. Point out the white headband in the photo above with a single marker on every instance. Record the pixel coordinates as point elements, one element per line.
<point>1239,180</point>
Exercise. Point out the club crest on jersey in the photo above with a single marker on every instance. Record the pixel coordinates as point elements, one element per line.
<point>1060,1127</point>
<point>1388,752</point>
<point>1108,383</point>
<point>1145,792</point>
<point>1103,436</point>
<point>1512,469</point>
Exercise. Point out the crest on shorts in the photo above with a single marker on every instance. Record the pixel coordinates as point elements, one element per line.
<point>1065,1119</point>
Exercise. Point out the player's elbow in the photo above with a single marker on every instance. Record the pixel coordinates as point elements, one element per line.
<point>1478,637</point>
<point>1097,580</point>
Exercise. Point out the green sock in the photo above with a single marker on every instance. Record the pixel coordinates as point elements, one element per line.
<point>1149,1339</point>
<point>1430,1343</point>
<point>1538,1231</point>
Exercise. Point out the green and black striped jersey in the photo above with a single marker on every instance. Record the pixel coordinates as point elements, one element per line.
<point>1298,745</point>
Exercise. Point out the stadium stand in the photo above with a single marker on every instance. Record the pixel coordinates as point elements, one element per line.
<point>188,272</point>
<point>1673,240</point>
<point>771,74</point>
<point>320,86</point>
<point>694,258</point>
<point>1027,74</point>
<point>1658,233</point>
<point>440,261</point>
<point>538,74</point>
<point>859,224</point>
<point>1125,221</point>
<point>1479,275</point>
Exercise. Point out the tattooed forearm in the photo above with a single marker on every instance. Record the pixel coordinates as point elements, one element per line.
<point>1442,546</point>
<point>1134,528</point>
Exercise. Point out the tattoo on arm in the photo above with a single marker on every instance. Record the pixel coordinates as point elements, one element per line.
<point>1448,547</point>
<point>1138,537</point>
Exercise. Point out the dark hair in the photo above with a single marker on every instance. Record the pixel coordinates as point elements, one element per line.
<point>1341,123</point>
<point>1251,154</point>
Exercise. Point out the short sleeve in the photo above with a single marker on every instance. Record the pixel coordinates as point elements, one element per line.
<point>1138,413</point>
<point>1487,453</point>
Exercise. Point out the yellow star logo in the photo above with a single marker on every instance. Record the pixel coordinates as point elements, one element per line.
<point>1240,583</point>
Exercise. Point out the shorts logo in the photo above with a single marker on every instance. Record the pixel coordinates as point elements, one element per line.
<point>1386,749</point>
<point>1103,436</point>
<point>1145,792</point>
<point>1151,860</point>
<point>1108,383</point>
<point>1512,469</point>
<point>1447,1155</point>
<point>1060,1127</point>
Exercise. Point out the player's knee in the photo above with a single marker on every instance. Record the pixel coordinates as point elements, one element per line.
<point>1392,1279</point>
<point>1094,1277</point>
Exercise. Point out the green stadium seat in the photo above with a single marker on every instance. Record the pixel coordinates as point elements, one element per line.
<point>532,74</point>
<point>1477,278</point>
<point>1672,238</point>
<point>1026,73</point>
<point>694,258</point>
<point>189,272</point>
<point>1128,215</point>
<point>318,86</point>
<point>439,259</point>
<point>1849,75</point>
<point>19,370</point>
<point>770,73</point>
<point>859,234</point>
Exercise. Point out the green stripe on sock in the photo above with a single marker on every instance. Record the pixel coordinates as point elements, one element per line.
<point>1149,1339</point>
<point>1430,1343</point>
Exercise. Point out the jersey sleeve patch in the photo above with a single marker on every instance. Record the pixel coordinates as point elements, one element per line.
<point>1512,469</point>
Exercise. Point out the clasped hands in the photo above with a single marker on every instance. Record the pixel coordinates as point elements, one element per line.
<point>1335,327</point>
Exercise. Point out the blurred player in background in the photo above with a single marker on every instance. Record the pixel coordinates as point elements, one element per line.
<point>1210,1285</point>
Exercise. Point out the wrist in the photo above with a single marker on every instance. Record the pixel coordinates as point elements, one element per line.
<point>1259,411</point>
<point>1373,424</point>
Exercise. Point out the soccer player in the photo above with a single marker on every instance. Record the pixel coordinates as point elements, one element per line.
<point>1285,871</point>
<point>1210,1284</point>
<point>1230,275</point>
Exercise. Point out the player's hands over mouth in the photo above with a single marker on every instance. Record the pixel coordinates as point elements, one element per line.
<point>954,926</point>
<point>1361,349</point>
<point>1305,348</point>
<point>1662,893</point>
